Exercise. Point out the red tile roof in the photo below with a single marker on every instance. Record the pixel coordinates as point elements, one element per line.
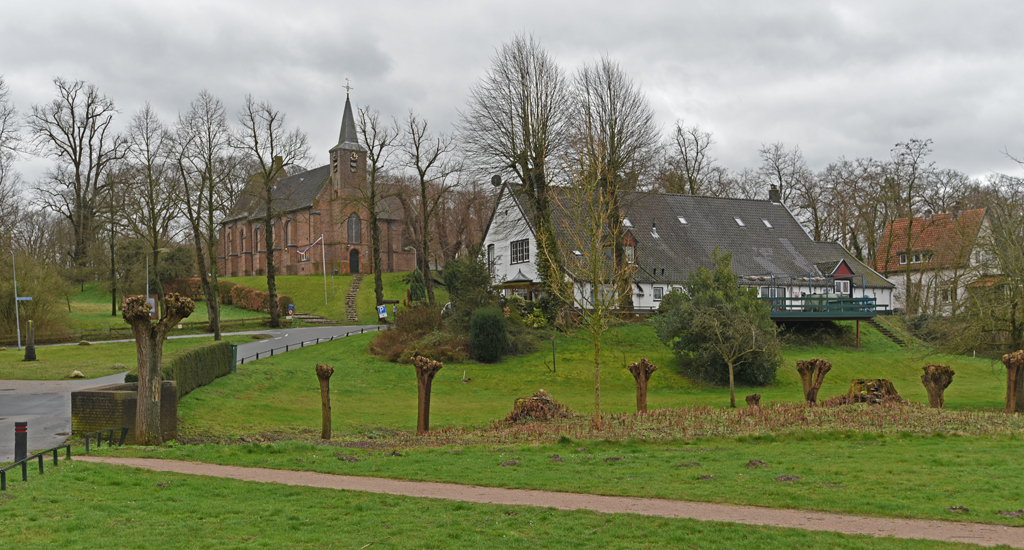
<point>948,241</point>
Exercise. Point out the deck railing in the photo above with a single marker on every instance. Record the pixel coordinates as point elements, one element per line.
<point>824,307</point>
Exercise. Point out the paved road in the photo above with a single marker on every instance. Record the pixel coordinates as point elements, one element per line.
<point>46,404</point>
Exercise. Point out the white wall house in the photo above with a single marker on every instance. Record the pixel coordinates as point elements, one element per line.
<point>669,235</point>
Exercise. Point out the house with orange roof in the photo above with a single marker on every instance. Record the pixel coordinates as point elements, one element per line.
<point>933,258</point>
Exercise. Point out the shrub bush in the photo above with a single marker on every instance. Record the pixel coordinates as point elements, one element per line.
<point>418,330</point>
<point>257,300</point>
<point>194,368</point>
<point>191,287</point>
<point>488,338</point>
<point>224,288</point>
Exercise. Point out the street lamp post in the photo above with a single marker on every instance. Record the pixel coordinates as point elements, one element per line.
<point>147,272</point>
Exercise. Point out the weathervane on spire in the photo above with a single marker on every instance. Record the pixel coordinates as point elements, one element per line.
<point>347,88</point>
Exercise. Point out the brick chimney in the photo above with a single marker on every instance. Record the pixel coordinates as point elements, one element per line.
<point>774,195</point>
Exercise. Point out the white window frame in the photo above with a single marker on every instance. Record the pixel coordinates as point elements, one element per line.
<point>629,250</point>
<point>903,259</point>
<point>842,287</point>
<point>917,258</point>
<point>658,293</point>
<point>519,251</point>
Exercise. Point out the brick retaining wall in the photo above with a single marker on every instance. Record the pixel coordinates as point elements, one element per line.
<point>114,406</point>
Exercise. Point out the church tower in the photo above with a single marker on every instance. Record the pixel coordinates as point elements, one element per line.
<point>348,157</point>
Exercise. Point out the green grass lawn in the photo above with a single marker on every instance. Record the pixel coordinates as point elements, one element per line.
<point>90,309</point>
<point>281,394</point>
<point>99,506</point>
<point>56,362</point>
<point>886,476</point>
<point>308,293</point>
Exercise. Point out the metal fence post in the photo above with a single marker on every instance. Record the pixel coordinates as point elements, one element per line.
<point>234,357</point>
<point>20,441</point>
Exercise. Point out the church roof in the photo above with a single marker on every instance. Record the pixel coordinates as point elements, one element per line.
<point>347,138</point>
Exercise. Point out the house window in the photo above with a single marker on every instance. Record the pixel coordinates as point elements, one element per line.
<point>256,238</point>
<point>917,258</point>
<point>903,259</point>
<point>658,293</point>
<point>520,251</point>
<point>629,253</point>
<point>354,233</point>
<point>843,287</point>
<point>948,294</point>
<point>288,232</point>
<point>490,259</point>
<point>678,289</point>
<point>770,292</point>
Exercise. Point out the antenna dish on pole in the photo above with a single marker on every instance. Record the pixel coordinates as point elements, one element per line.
<point>496,180</point>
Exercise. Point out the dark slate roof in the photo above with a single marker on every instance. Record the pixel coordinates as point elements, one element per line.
<point>298,191</point>
<point>784,250</point>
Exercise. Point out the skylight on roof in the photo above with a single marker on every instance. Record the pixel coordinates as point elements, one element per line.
<point>577,252</point>
<point>739,222</point>
<point>768,224</point>
<point>682,220</point>
<point>626,222</point>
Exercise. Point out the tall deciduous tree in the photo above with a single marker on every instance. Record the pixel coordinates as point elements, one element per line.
<point>151,184</point>
<point>76,129</point>
<point>432,160</point>
<point>10,180</point>
<point>381,140</point>
<point>689,166</point>
<point>210,172</point>
<point>515,124</point>
<point>782,167</point>
<point>271,148</point>
<point>906,174</point>
<point>614,125</point>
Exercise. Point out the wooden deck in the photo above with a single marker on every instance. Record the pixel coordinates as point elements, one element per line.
<point>822,308</point>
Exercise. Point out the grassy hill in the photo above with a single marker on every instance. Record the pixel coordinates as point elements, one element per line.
<point>90,309</point>
<point>308,293</point>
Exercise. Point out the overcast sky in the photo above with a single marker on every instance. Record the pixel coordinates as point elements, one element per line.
<point>836,78</point>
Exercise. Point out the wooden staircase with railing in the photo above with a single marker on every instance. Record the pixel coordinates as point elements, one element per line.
<point>890,331</point>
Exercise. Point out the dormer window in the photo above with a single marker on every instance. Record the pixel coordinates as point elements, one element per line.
<point>917,258</point>
<point>629,253</point>
<point>903,259</point>
<point>739,222</point>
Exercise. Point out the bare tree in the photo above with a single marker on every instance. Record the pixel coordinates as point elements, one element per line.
<point>10,147</point>
<point>907,172</point>
<point>435,168</point>
<point>782,167</point>
<point>75,128</point>
<point>614,125</point>
<point>515,125</point>
<point>381,141</point>
<point>689,160</point>
<point>209,170</point>
<point>151,183</point>
<point>262,137</point>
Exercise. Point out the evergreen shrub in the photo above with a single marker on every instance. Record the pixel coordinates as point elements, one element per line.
<point>488,338</point>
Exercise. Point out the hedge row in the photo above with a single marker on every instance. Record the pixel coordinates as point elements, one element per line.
<point>191,287</point>
<point>256,300</point>
<point>195,367</point>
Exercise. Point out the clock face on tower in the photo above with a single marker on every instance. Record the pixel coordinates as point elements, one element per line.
<point>352,160</point>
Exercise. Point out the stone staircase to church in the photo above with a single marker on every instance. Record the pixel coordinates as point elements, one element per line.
<point>350,299</point>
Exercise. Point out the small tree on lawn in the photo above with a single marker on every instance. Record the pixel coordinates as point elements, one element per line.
<point>149,345</point>
<point>719,330</point>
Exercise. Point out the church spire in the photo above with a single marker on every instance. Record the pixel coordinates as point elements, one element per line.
<point>348,125</point>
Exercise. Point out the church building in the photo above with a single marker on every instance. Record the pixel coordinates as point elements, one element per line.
<point>323,201</point>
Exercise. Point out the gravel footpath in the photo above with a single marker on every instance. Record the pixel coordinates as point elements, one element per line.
<point>976,533</point>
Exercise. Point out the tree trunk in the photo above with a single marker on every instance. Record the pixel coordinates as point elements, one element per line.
<point>597,376</point>
<point>732,387</point>
<point>641,371</point>
<point>268,230</point>
<point>425,244</point>
<point>812,374</point>
<point>1014,381</point>
<point>425,371</point>
<point>378,281</point>
<point>936,379</point>
<point>323,373</point>
<point>213,294</point>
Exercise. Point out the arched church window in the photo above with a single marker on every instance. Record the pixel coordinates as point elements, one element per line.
<point>354,233</point>
<point>288,232</point>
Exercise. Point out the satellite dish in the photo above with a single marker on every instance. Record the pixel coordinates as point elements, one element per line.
<point>496,180</point>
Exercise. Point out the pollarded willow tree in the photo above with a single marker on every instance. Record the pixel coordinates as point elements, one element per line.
<point>149,346</point>
<point>515,125</point>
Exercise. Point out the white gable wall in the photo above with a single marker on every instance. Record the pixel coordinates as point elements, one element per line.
<point>508,226</point>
